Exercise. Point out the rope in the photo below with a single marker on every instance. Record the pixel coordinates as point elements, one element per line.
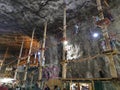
<point>85,59</point>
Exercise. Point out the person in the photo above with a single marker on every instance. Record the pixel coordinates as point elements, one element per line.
<point>64,88</point>
<point>96,18</point>
<point>108,15</point>
<point>112,44</point>
<point>65,54</point>
<point>103,44</point>
<point>3,87</point>
<point>101,73</point>
<point>23,86</point>
<point>17,88</point>
<point>36,86</point>
<point>56,87</point>
<point>46,87</point>
<point>84,88</point>
<point>73,87</point>
<point>76,27</point>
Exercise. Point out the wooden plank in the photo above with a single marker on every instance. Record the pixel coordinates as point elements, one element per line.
<point>86,79</point>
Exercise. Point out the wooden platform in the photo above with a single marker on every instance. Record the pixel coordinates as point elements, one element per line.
<point>87,79</point>
<point>112,52</point>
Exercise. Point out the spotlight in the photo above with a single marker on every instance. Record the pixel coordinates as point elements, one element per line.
<point>95,35</point>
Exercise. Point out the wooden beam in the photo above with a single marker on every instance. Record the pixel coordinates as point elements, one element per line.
<point>86,59</point>
<point>106,36</point>
<point>15,75</point>
<point>5,55</point>
<point>64,64</point>
<point>87,79</point>
<point>42,57</point>
<point>28,59</point>
<point>106,3</point>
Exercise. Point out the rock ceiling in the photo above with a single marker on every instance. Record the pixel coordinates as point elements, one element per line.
<point>19,17</point>
<point>22,15</point>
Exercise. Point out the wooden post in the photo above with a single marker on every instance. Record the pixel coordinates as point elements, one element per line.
<point>106,36</point>
<point>15,75</point>
<point>42,54</point>
<point>64,64</point>
<point>99,7</point>
<point>106,3</point>
<point>29,55</point>
<point>32,77</point>
<point>93,86</point>
<point>113,70</point>
<point>64,69</point>
<point>5,55</point>
<point>64,31</point>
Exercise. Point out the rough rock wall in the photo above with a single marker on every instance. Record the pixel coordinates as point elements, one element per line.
<point>90,46</point>
<point>81,44</point>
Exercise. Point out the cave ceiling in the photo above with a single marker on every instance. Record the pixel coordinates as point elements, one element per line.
<point>21,16</point>
<point>18,18</point>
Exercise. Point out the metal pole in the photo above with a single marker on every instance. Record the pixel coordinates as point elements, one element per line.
<point>28,60</point>
<point>19,59</point>
<point>42,60</point>
<point>64,64</point>
<point>106,36</point>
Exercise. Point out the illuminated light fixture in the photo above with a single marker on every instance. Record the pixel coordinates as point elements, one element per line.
<point>95,35</point>
<point>65,42</point>
<point>38,53</point>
